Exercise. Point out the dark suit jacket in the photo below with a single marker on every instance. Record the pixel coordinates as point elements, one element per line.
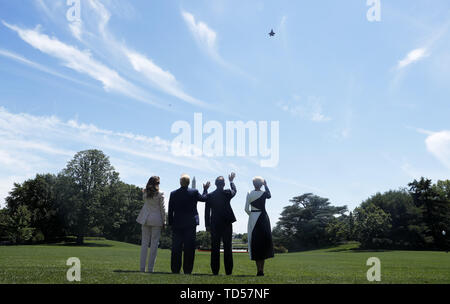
<point>183,207</point>
<point>218,208</point>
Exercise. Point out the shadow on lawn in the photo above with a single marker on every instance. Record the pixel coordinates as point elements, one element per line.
<point>82,245</point>
<point>356,250</point>
<point>137,271</point>
<point>193,274</point>
<point>211,275</point>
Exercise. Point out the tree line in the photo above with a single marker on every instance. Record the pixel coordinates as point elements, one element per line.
<point>417,217</point>
<point>87,198</point>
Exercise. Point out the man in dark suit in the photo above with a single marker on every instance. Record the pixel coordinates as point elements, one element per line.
<point>183,218</point>
<point>219,219</point>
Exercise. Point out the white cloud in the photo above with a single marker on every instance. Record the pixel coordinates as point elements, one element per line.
<point>30,142</point>
<point>204,35</point>
<point>207,40</point>
<point>438,144</point>
<point>163,80</point>
<point>311,109</point>
<point>43,144</point>
<point>413,56</point>
<point>77,29</point>
<point>80,61</point>
<point>155,75</point>
<point>38,66</point>
<point>43,6</point>
<point>103,16</point>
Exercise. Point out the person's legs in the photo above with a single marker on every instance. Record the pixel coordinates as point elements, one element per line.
<point>145,240</point>
<point>215,251</point>
<point>227,236</point>
<point>156,233</point>
<point>177,244</point>
<point>260,267</point>
<point>189,249</point>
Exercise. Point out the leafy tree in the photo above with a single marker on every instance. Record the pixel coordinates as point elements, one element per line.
<point>91,173</point>
<point>17,222</point>
<point>337,230</point>
<point>203,240</point>
<point>435,206</point>
<point>372,226</point>
<point>303,224</point>
<point>408,229</point>
<point>122,226</point>
<point>37,195</point>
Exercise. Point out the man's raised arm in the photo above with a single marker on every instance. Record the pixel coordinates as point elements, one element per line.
<point>232,185</point>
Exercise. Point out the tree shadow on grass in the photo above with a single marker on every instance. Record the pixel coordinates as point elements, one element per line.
<point>233,275</point>
<point>82,245</point>
<point>371,250</point>
<point>356,250</point>
<point>126,271</point>
<point>338,250</point>
<point>137,271</point>
<point>193,274</point>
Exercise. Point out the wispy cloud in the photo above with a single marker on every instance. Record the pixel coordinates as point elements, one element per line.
<point>120,64</point>
<point>80,61</point>
<point>40,67</point>
<point>97,29</point>
<point>413,56</point>
<point>159,78</point>
<point>310,109</point>
<point>49,135</point>
<point>206,39</point>
<point>40,144</point>
<point>282,29</point>
<point>426,49</point>
<point>204,35</point>
<point>76,29</point>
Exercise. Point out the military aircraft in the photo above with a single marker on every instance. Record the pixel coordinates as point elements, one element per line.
<point>272,33</point>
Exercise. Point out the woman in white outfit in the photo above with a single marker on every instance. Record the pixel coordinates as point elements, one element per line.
<point>152,218</point>
<point>260,246</point>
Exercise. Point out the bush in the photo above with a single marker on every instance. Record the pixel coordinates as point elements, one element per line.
<point>165,242</point>
<point>280,249</point>
<point>38,237</point>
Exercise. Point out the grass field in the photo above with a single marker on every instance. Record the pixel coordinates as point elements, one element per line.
<point>114,262</point>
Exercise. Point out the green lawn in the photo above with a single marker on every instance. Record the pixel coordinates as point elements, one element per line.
<point>115,262</point>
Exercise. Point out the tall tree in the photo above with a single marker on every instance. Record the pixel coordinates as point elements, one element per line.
<point>433,202</point>
<point>303,224</point>
<point>351,227</point>
<point>408,229</point>
<point>373,226</point>
<point>91,173</point>
<point>37,195</point>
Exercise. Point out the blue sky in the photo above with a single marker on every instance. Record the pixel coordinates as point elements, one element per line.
<point>362,106</point>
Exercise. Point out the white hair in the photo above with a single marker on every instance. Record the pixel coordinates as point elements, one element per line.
<point>258,181</point>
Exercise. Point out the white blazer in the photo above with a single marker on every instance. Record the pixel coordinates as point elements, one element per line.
<point>153,212</point>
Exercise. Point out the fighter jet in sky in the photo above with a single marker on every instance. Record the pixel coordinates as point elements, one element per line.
<point>272,33</point>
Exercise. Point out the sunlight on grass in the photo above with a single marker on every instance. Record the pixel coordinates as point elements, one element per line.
<point>118,263</point>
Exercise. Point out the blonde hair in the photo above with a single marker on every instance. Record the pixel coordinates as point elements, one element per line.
<point>258,181</point>
<point>185,180</point>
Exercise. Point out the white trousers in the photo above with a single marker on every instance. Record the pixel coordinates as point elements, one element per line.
<point>149,233</point>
